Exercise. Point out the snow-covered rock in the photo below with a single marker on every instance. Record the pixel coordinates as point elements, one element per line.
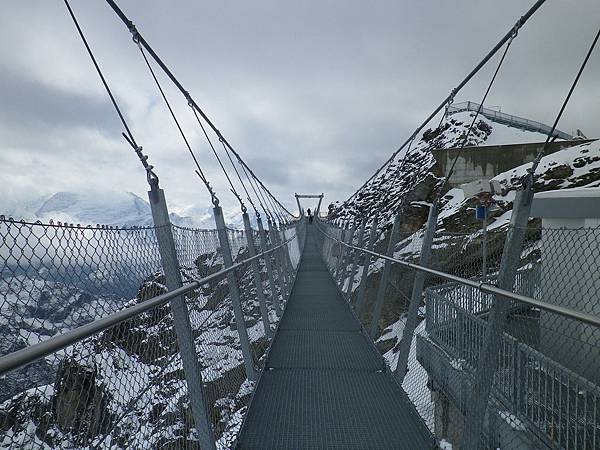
<point>414,183</point>
<point>125,387</point>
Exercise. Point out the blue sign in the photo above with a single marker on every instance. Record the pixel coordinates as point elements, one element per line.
<point>481,212</point>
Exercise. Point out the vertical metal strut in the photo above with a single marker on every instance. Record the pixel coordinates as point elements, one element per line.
<point>264,312</point>
<point>379,301</point>
<point>181,318</point>
<point>234,292</point>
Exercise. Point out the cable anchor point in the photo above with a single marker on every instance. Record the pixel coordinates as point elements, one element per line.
<point>189,100</point>
<point>242,205</point>
<point>134,33</point>
<point>213,197</point>
<point>517,27</point>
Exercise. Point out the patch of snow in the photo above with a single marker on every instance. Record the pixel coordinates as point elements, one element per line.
<point>500,221</point>
<point>512,420</point>
<point>453,204</point>
<point>415,382</point>
<point>445,445</point>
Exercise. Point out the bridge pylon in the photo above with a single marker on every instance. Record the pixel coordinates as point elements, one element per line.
<point>299,196</point>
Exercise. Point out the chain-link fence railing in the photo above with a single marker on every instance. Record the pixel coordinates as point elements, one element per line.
<point>544,386</point>
<point>125,385</point>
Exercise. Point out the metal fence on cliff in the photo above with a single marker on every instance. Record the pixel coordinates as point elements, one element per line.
<point>544,385</point>
<point>120,377</point>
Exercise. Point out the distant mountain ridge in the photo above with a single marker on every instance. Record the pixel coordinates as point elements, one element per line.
<point>107,208</point>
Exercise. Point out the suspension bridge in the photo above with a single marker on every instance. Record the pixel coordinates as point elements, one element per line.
<point>346,331</point>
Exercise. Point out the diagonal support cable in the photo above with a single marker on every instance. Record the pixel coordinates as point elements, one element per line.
<point>199,171</point>
<point>197,110</point>
<point>128,135</point>
<point>509,35</point>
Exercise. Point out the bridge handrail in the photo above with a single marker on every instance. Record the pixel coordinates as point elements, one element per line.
<point>481,286</point>
<point>522,122</point>
<point>448,325</point>
<point>54,344</point>
<point>463,296</point>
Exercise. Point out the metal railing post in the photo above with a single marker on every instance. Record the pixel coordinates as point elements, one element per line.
<point>338,261</point>
<point>488,358</point>
<point>234,292</point>
<point>181,318</point>
<point>346,253</point>
<point>380,299</point>
<point>300,210</point>
<point>359,243</point>
<point>282,276</point>
<point>264,312</point>
<point>264,247</point>
<point>417,294</point>
<point>342,248</point>
<point>362,288</point>
<point>286,257</point>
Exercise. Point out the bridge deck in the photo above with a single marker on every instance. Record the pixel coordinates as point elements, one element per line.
<point>324,385</point>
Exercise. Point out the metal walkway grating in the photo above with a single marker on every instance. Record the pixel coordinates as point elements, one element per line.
<point>325,385</point>
<point>344,350</point>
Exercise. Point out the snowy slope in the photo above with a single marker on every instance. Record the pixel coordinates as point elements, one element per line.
<point>412,174</point>
<point>457,245</point>
<point>415,180</point>
<point>573,167</point>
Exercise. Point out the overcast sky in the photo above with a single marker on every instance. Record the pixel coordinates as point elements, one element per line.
<point>313,94</point>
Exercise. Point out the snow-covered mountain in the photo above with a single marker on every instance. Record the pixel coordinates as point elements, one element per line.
<point>458,243</point>
<point>108,208</point>
<point>415,179</point>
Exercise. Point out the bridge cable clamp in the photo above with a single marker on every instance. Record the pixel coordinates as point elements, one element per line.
<point>151,177</point>
<point>188,97</point>
<point>134,33</point>
<point>213,196</point>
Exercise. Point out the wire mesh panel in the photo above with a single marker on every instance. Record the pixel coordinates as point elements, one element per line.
<point>198,252</point>
<point>249,296</point>
<point>124,387</point>
<point>545,383</point>
<point>56,277</point>
<point>121,388</point>
<point>293,247</point>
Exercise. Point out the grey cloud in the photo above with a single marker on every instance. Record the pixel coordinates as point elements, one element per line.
<point>30,108</point>
<point>314,95</point>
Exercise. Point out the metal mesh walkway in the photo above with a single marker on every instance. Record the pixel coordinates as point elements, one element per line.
<point>324,384</point>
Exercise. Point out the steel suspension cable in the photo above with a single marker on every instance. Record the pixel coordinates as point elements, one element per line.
<point>128,135</point>
<point>475,117</point>
<point>197,110</point>
<point>522,20</point>
<point>266,207</point>
<point>550,137</point>
<point>275,212</point>
<point>274,207</point>
<point>253,190</point>
<point>239,177</point>
<point>232,187</point>
<point>183,136</point>
<point>260,183</point>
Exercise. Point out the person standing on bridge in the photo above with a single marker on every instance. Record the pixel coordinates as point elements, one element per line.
<point>310,217</point>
